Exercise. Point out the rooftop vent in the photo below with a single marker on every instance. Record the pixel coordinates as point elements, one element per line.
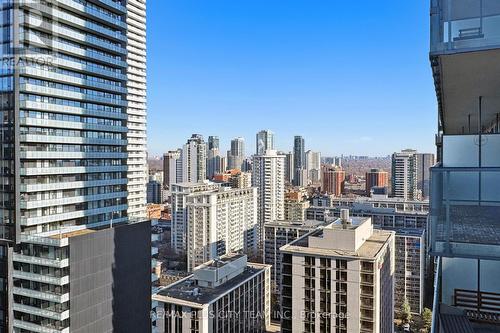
<point>344,216</point>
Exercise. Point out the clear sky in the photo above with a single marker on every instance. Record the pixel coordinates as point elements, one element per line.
<point>351,76</point>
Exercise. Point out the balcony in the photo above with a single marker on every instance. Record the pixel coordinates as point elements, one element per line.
<point>58,281</point>
<point>459,26</point>
<point>37,328</point>
<point>41,312</point>
<point>58,263</point>
<point>465,60</point>
<point>466,198</point>
<point>44,295</point>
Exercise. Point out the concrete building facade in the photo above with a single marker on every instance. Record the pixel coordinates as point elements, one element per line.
<point>226,295</point>
<point>404,182</point>
<point>345,271</point>
<point>220,221</point>
<point>268,175</point>
<point>179,193</point>
<point>172,167</point>
<point>194,160</point>
<point>333,180</point>
<point>264,141</point>
<point>376,178</point>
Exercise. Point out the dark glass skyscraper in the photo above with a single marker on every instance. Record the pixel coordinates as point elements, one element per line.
<point>299,159</point>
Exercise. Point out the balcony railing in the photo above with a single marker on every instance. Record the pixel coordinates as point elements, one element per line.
<point>465,206</point>
<point>460,26</point>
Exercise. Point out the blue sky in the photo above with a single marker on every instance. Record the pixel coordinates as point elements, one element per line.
<point>352,77</point>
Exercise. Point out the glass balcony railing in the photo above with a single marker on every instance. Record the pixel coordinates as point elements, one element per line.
<point>461,26</point>
<point>465,210</point>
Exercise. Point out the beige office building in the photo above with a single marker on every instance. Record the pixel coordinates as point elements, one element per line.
<point>339,278</point>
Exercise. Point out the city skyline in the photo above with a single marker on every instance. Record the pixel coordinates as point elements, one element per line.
<point>250,147</point>
<point>292,184</point>
<point>215,69</point>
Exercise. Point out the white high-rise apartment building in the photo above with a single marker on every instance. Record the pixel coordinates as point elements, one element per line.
<point>214,162</point>
<point>179,211</point>
<point>236,155</point>
<point>194,160</point>
<point>313,166</point>
<point>268,175</point>
<point>425,161</point>
<point>172,167</point>
<point>73,248</point>
<point>404,175</point>
<point>136,108</point>
<point>264,141</point>
<point>220,221</point>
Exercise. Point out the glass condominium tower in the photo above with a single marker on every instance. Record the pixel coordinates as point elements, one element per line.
<point>464,192</point>
<point>73,166</point>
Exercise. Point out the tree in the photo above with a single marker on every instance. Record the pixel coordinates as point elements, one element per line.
<point>427,319</point>
<point>405,312</point>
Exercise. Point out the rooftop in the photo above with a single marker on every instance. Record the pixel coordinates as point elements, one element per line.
<point>336,241</point>
<point>307,224</point>
<point>70,234</point>
<point>188,292</point>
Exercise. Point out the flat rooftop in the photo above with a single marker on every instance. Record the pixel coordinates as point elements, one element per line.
<point>296,224</point>
<point>355,222</point>
<point>370,249</point>
<point>187,290</point>
<point>72,233</point>
<point>225,260</point>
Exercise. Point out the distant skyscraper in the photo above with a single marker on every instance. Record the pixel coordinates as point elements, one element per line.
<point>424,162</point>
<point>172,167</point>
<point>264,141</point>
<point>404,175</point>
<point>337,161</point>
<point>214,163</point>
<point>313,166</point>
<point>268,175</point>
<point>376,178</point>
<point>333,180</point>
<point>289,168</point>
<point>236,155</point>
<point>213,142</point>
<point>194,159</point>
<point>154,191</point>
<point>299,158</point>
